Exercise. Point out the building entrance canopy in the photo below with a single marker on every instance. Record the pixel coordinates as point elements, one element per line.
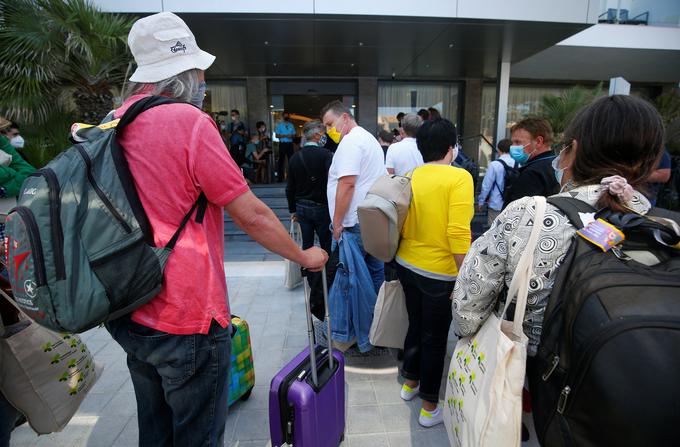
<point>276,45</point>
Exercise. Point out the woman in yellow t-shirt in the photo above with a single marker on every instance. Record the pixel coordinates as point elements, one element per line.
<point>435,238</point>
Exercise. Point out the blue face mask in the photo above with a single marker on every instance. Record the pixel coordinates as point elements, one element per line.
<point>559,172</point>
<point>517,153</point>
<point>197,100</point>
<point>323,140</point>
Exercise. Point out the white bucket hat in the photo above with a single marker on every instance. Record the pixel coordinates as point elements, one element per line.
<point>163,46</point>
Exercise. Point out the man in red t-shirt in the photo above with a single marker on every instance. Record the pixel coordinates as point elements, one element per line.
<point>178,345</point>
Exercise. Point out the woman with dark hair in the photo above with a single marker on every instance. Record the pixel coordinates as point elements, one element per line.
<point>435,238</point>
<point>612,147</point>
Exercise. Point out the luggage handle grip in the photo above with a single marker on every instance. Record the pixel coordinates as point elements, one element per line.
<point>310,324</point>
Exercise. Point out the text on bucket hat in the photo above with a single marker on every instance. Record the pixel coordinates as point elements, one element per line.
<point>163,46</point>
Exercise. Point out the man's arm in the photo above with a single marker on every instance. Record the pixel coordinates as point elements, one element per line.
<point>343,199</point>
<point>487,185</point>
<point>260,223</point>
<point>389,160</point>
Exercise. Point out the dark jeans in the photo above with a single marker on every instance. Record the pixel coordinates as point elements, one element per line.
<point>180,383</point>
<point>428,302</point>
<point>285,151</point>
<point>9,418</point>
<point>313,217</point>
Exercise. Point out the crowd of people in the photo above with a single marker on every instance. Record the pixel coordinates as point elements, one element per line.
<point>178,344</point>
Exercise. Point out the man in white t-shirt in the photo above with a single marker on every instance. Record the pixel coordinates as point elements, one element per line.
<point>357,164</point>
<point>403,157</point>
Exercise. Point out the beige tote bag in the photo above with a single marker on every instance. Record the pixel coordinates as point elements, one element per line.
<point>483,403</point>
<point>292,273</point>
<point>390,317</point>
<point>44,375</point>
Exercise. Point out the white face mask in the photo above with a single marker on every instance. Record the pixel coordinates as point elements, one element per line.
<point>455,153</point>
<point>17,142</point>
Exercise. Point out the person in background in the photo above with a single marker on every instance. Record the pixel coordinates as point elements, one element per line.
<point>13,170</point>
<point>265,138</point>
<point>306,188</point>
<point>396,132</point>
<point>434,240</point>
<point>13,134</point>
<point>424,114</point>
<point>385,138</point>
<point>285,132</point>
<point>531,140</point>
<point>256,160</point>
<point>494,182</point>
<point>660,176</point>
<point>403,157</point>
<point>356,165</point>
<point>237,130</point>
<point>178,344</point>
<point>400,115</point>
<point>434,113</point>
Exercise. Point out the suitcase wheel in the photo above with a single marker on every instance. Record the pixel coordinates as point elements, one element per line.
<point>246,395</point>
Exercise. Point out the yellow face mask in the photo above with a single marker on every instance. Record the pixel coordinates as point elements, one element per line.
<point>334,135</point>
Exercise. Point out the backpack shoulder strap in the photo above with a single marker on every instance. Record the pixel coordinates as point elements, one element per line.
<point>304,166</point>
<point>143,105</point>
<point>200,207</point>
<point>571,207</point>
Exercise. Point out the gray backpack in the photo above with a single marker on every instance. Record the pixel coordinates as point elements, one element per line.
<point>80,247</point>
<point>382,215</point>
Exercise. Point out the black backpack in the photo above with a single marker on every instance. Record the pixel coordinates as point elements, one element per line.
<point>467,163</point>
<point>606,373</point>
<point>511,176</point>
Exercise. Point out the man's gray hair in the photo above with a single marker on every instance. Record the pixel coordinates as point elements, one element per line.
<point>181,87</point>
<point>312,128</point>
<point>337,108</point>
<point>411,122</point>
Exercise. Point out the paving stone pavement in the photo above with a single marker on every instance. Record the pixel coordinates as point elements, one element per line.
<point>376,415</point>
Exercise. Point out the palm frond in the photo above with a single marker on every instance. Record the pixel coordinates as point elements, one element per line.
<point>50,45</point>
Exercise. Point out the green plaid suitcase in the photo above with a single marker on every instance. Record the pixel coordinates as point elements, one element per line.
<point>242,372</point>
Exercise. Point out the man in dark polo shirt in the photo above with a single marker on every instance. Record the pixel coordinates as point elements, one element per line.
<point>306,188</point>
<point>531,140</point>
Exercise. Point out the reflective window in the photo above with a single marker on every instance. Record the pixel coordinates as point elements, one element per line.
<point>395,97</point>
<point>223,96</point>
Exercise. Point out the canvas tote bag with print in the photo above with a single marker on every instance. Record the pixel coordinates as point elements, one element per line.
<point>483,403</point>
<point>43,374</point>
<point>292,273</point>
<point>390,317</point>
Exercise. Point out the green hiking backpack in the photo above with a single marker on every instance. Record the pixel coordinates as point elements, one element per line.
<point>80,248</point>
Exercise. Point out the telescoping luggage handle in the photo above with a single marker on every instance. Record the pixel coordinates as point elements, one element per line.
<point>310,324</point>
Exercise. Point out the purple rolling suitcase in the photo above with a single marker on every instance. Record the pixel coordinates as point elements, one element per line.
<point>307,397</point>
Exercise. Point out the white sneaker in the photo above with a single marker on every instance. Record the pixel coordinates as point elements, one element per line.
<point>430,418</point>
<point>408,393</point>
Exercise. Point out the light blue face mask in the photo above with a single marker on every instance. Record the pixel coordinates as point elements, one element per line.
<point>517,153</point>
<point>197,100</point>
<point>559,172</point>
